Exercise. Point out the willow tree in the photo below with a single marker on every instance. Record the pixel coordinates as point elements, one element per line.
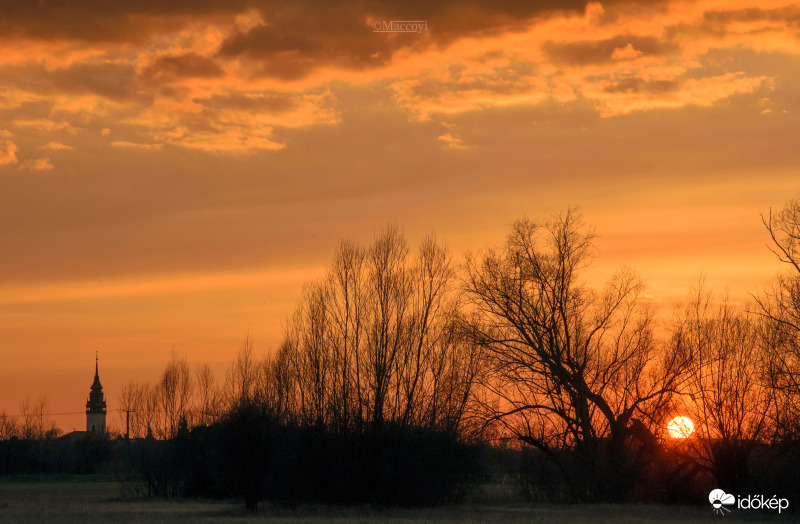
<point>569,367</point>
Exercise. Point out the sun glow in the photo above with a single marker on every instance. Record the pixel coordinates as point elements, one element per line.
<point>680,427</point>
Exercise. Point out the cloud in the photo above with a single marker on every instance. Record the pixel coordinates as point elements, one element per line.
<point>626,53</point>
<point>189,65</point>
<point>474,86</point>
<point>639,85</point>
<point>34,81</point>
<point>257,102</point>
<point>44,124</point>
<point>635,95</point>
<point>137,20</point>
<point>239,142</point>
<point>156,285</point>
<point>133,145</point>
<point>741,24</point>
<point>620,59</point>
<point>602,51</point>
<point>229,122</point>
<point>57,146</point>
<point>37,164</point>
<point>452,142</point>
<point>107,20</point>
<point>114,80</point>
<point>232,77</point>
<point>722,19</point>
<point>8,152</point>
<point>11,98</point>
<point>293,42</point>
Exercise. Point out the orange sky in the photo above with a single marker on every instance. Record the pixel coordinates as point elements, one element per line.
<point>172,172</point>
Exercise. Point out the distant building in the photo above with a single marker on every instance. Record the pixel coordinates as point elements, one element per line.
<point>96,405</point>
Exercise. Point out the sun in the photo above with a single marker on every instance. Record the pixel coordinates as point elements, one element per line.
<point>680,427</point>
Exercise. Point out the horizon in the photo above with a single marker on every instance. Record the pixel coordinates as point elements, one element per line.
<point>171,178</point>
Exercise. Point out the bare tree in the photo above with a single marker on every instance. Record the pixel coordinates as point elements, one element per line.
<point>567,366</point>
<point>208,396</point>
<point>9,426</point>
<point>728,395</point>
<point>387,334</point>
<point>779,305</point>
<point>379,339</point>
<point>159,415</point>
<point>174,396</point>
<point>242,378</point>
<point>36,421</point>
<point>345,295</point>
<point>784,229</point>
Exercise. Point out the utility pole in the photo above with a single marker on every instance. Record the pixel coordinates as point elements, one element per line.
<point>128,422</point>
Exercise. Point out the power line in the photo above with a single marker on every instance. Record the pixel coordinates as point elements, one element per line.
<point>78,412</point>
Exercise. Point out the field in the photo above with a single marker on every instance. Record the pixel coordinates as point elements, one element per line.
<point>73,500</point>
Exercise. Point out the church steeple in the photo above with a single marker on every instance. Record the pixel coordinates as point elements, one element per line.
<point>96,405</point>
<point>96,386</point>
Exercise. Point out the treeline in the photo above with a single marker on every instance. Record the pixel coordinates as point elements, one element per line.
<point>49,455</point>
<point>398,367</point>
<point>30,444</point>
<point>364,401</point>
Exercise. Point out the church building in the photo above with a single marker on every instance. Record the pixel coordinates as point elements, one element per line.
<point>96,405</point>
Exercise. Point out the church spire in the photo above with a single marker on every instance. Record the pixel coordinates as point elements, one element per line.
<point>96,405</point>
<point>96,386</point>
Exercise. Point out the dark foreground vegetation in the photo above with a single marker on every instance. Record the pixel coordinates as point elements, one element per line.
<point>408,380</point>
<point>71,500</point>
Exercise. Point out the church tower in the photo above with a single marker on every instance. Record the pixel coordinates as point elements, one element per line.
<point>96,405</point>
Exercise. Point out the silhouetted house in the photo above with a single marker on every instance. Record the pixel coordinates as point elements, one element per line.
<point>96,406</point>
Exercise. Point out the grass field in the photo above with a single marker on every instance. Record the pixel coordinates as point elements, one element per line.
<point>81,501</point>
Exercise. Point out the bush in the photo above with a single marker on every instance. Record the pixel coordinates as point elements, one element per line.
<point>254,455</point>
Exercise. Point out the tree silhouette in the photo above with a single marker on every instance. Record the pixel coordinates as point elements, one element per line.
<point>568,367</point>
<point>727,395</point>
<point>379,339</point>
<point>780,307</point>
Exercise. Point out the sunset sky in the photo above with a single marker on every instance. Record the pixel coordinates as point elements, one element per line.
<point>172,172</point>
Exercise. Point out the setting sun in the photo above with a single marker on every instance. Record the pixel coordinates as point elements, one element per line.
<point>680,427</point>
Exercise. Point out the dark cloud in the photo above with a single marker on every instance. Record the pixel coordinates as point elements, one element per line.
<point>300,38</point>
<point>112,80</point>
<point>789,14</point>
<point>717,24</point>
<point>105,20</point>
<point>274,104</point>
<point>189,65</point>
<point>297,37</point>
<point>114,20</point>
<point>637,85</point>
<point>601,51</point>
<point>297,40</point>
<point>614,10</point>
